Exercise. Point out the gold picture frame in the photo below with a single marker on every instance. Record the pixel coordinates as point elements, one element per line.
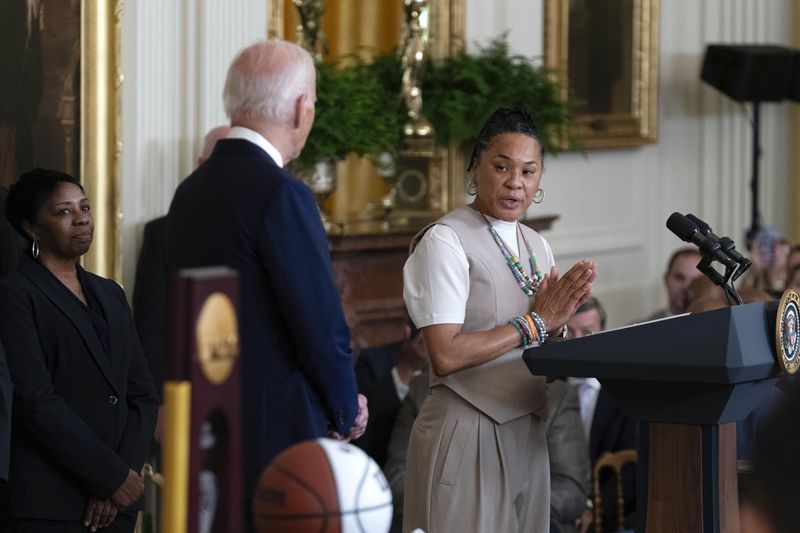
<point>100,146</point>
<point>447,23</point>
<point>617,102</point>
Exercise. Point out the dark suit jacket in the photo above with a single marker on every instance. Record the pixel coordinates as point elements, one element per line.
<point>612,431</point>
<point>6,389</point>
<point>82,416</point>
<point>374,378</point>
<point>150,298</point>
<point>239,209</point>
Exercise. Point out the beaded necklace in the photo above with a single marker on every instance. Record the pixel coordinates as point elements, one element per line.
<point>529,286</point>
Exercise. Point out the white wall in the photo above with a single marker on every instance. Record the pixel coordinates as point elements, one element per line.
<point>174,58</point>
<point>613,203</point>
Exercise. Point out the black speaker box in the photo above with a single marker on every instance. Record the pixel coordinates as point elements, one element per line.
<point>749,73</point>
<point>794,85</point>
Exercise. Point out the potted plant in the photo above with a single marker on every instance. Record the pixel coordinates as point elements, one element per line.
<point>355,113</point>
<point>462,91</point>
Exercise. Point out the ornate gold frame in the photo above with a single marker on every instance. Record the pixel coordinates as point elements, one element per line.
<point>447,28</point>
<point>640,126</point>
<point>100,147</point>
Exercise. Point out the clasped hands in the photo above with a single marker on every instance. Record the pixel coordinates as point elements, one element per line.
<point>560,296</point>
<point>101,513</point>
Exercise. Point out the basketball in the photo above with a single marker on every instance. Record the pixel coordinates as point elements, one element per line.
<point>325,486</point>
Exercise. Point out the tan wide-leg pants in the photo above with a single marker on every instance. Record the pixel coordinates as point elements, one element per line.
<point>467,473</point>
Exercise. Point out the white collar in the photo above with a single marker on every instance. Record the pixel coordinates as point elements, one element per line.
<point>591,383</point>
<point>240,132</point>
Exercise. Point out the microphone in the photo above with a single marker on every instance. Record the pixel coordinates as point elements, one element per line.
<point>687,230</point>
<point>726,243</point>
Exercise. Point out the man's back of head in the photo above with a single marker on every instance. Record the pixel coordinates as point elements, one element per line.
<point>264,81</point>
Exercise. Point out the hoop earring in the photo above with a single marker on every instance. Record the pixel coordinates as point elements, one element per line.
<point>35,249</point>
<point>472,187</point>
<point>538,196</point>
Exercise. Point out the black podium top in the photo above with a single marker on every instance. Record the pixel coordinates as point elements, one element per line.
<point>703,368</point>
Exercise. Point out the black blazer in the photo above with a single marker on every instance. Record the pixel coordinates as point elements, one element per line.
<point>5,415</point>
<point>239,209</point>
<point>82,417</point>
<point>150,298</point>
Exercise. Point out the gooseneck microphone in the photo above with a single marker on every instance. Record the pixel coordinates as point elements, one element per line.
<point>726,243</point>
<point>691,229</point>
<point>688,231</point>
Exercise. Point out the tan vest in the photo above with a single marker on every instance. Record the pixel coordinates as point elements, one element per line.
<point>504,388</point>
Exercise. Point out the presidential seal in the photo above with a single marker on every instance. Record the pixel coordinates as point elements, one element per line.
<point>786,324</point>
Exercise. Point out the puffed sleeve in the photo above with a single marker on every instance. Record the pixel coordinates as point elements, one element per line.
<point>436,279</point>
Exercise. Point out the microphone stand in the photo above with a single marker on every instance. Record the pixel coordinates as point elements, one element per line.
<point>711,273</point>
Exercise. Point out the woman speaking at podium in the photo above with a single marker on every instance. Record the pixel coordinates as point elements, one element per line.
<point>482,287</point>
<point>84,400</point>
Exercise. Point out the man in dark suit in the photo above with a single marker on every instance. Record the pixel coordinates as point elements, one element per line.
<point>608,429</point>
<point>383,375</point>
<point>243,210</point>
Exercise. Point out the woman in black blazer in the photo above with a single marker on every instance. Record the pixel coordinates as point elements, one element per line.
<point>84,401</point>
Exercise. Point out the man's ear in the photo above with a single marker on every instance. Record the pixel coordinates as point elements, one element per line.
<point>299,108</point>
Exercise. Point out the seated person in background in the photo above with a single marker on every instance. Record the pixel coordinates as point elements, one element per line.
<point>793,278</point>
<point>681,270</point>
<point>383,375</point>
<point>770,257</point>
<point>772,506</point>
<point>566,442</point>
<point>607,428</point>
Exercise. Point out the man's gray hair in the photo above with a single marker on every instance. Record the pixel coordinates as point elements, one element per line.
<point>265,79</point>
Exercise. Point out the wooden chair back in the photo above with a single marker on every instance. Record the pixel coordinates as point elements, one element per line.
<point>614,461</point>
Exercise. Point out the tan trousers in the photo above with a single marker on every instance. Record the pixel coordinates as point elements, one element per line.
<point>467,473</point>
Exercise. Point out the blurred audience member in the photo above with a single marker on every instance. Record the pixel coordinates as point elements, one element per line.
<point>383,375</point>
<point>681,270</point>
<point>607,428</point>
<point>566,442</point>
<point>793,278</point>
<point>770,256</point>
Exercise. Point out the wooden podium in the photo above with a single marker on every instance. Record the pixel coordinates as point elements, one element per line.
<point>688,379</point>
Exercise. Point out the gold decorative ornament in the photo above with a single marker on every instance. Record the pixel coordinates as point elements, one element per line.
<point>446,29</point>
<point>217,336</point>
<point>412,60</point>
<point>787,347</point>
<point>309,33</point>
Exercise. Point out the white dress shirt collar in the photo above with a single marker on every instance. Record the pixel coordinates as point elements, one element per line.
<point>240,132</point>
